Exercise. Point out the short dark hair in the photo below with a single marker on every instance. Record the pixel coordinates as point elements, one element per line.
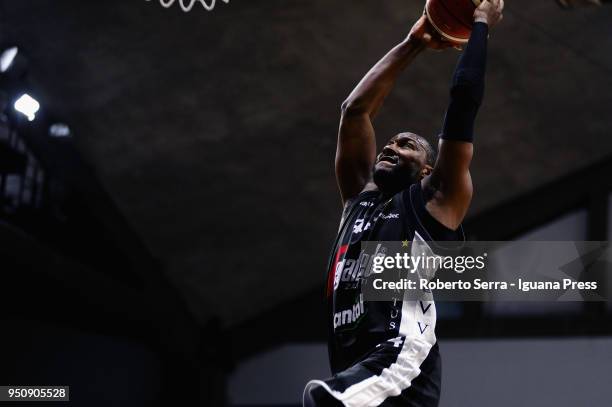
<point>430,151</point>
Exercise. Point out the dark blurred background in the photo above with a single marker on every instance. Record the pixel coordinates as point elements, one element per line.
<point>166,216</point>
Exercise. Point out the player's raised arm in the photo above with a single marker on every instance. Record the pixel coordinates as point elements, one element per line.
<point>356,150</point>
<point>450,186</point>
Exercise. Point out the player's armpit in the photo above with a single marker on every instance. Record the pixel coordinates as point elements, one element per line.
<point>448,190</point>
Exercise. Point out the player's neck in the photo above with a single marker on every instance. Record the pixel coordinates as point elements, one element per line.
<point>392,188</point>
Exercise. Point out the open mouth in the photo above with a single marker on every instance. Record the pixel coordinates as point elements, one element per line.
<point>393,159</point>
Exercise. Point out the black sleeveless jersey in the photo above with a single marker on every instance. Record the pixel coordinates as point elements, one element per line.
<point>356,327</point>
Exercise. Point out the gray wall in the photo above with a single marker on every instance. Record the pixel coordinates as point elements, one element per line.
<point>501,373</point>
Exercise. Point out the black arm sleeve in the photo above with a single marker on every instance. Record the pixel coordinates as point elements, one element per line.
<point>467,87</point>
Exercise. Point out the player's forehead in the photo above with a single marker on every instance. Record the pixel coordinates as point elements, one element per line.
<point>406,136</point>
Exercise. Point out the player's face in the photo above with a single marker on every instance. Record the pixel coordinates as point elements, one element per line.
<point>401,162</point>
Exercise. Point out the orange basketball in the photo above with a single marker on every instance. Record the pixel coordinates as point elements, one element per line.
<point>452,19</point>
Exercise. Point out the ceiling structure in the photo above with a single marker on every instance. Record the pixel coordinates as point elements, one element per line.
<point>214,132</point>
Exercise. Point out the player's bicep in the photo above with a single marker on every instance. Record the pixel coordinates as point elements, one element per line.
<point>450,183</point>
<point>355,154</point>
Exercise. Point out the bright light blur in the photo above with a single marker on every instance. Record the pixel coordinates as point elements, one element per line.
<point>7,58</point>
<point>27,105</point>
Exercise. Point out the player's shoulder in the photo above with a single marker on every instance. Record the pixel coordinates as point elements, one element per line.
<point>414,201</point>
<point>365,198</point>
<point>368,193</point>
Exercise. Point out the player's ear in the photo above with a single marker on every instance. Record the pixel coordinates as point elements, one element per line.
<point>426,170</point>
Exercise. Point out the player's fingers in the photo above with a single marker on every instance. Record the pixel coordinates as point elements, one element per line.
<point>500,6</point>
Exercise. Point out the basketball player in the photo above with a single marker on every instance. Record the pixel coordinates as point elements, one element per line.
<point>385,353</point>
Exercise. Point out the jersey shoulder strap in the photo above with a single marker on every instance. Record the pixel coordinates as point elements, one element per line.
<point>351,204</point>
<point>429,228</point>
